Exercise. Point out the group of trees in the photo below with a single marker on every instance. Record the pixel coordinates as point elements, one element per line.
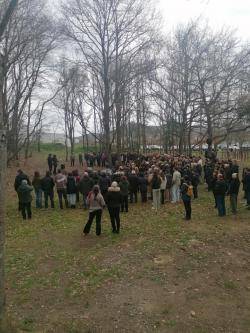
<point>107,68</point>
<point>104,67</point>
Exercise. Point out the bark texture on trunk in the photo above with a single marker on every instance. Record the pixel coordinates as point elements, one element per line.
<point>3,163</point>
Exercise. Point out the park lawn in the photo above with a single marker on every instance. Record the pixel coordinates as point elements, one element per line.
<point>160,274</point>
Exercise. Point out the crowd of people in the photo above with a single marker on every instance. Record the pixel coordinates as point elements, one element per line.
<point>132,177</point>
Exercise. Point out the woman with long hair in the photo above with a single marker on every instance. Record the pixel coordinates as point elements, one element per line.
<point>96,205</point>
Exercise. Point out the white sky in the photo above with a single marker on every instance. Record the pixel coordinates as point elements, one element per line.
<point>233,13</point>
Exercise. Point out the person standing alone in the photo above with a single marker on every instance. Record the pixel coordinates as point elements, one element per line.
<point>96,205</point>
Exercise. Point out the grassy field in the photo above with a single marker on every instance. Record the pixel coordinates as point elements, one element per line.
<point>160,274</point>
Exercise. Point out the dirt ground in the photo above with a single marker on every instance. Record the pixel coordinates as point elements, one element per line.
<point>160,274</point>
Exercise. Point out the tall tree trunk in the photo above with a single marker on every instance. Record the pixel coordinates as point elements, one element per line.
<point>3,163</point>
<point>28,132</point>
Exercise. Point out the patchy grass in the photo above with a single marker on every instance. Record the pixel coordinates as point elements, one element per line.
<point>149,278</point>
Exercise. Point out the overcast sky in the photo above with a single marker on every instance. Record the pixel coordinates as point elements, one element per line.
<point>234,13</point>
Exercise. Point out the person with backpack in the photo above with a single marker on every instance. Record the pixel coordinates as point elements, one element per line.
<point>71,190</point>
<point>124,187</point>
<point>114,199</point>
<point>48,184</point>
<point>36,182</point>
<point>186,195</point>
<point>18,181</point>
<point>25,198</point>
<point>233,191</point>
<point>96,204</point>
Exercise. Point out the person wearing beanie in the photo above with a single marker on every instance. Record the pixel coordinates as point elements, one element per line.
<point>233,192</point>
<point>114,200</point>
<point>25,198</point>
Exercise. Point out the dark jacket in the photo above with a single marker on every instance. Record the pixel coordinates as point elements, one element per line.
<point>19,178</point>
<point>85,185</point>
<point>169,179</point>
<point>195,179</point>
<point>71,185</point>
<point>124,187</point>
<point>246,182</point>
<point>220,187</point>
<point>143,184</point>
<point>156,182</point>
<point>37,183</point>
<point>234,186</point>
<point>114,197</point>
<point>104,183</point>
<point>24,193</point>
<point>47,184</point>
<point>133,183</point>
<point>184,192</point>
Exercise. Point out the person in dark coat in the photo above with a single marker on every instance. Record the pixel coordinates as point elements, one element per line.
<point>195,180</point>
<point>233,192</point>
<point>55,163</point>
<point>48,184</point>
<point>143,187</point>
<point>37,184</point>
<point>71,190</point>
<point>220,191</point>
<point>104,184</point>
<point>80,159</point>
<point>50,162</point>
<point>85,186</point>
<point>25,198</point>
<point>186,197</point>
<point>18,181</point>
<point>124,188</point>
<point>246,183</point>
<point>113,202</point>
<point>133,186</point>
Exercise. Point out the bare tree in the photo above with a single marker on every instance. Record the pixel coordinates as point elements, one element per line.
<point>6,17</point>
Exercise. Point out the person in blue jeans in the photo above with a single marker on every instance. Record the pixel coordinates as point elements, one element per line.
<point>220,190</point>
<point>36,182</point>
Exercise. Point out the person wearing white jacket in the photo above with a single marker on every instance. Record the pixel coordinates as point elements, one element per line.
<point>176,186</point>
